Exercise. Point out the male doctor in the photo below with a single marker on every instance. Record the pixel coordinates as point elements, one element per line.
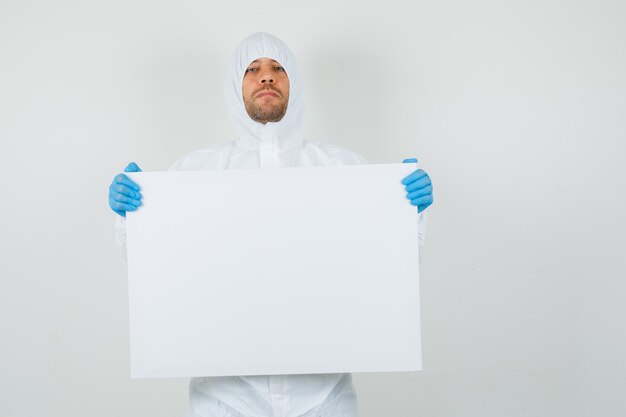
<point>265,98</point>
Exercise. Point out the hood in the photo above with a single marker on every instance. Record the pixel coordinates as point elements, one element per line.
<point>288,131</point>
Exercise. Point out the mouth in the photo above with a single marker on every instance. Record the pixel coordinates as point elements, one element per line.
<point>267,93</point>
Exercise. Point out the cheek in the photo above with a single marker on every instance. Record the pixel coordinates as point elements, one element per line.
<point>246,88</point>
<point>284,81</point>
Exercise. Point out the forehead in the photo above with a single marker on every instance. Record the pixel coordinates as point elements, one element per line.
<point>264,61</point>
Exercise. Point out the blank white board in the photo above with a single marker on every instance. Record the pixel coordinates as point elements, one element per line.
<point>273,271</point>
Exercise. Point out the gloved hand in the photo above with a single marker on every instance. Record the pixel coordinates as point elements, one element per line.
<point>124,193</point>
<point>418,187</point>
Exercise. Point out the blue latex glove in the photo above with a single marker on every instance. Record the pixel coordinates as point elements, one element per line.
<point>419,188</point>
<point>124,193</point>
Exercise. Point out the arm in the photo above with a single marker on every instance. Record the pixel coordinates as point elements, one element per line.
<point>419,189</point>
<point>124,196</point>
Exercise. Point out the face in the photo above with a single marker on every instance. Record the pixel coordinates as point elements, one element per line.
<point>265,90</point>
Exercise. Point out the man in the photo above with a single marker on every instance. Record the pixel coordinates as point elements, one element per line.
<point>264,95</point>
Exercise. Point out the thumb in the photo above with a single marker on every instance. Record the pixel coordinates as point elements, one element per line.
<point>132,167</point>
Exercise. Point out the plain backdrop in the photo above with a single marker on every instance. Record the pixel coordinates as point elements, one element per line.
<point>517,109</point>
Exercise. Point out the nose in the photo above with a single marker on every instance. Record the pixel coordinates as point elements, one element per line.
<point>267,78</point>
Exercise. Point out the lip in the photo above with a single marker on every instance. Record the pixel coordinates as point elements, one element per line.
<point>267,93</point>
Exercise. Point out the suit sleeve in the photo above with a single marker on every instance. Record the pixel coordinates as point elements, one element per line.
<point>422,226</point>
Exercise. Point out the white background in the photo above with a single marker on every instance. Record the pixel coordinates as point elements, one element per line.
<point>515,108</point>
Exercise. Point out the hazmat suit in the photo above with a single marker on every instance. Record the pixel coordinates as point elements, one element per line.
<point>270,145</point>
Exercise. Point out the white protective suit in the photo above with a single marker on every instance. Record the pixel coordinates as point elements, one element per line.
<point>269,145</point>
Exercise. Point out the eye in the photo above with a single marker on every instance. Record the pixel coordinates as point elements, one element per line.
<point>279,68</point>
<point>251,69</point>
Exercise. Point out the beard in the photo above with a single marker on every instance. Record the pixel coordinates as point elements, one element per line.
<point>265,112</point>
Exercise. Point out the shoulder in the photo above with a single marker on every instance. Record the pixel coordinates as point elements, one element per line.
<point>337,155</point>
<point>207,158</point>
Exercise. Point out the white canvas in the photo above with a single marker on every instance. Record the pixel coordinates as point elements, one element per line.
<point>274,271</point>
